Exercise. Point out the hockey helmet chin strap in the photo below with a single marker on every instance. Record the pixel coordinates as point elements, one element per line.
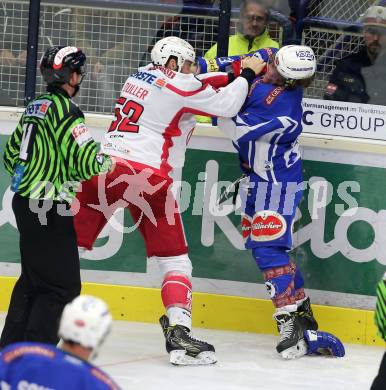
<point>76,87</point>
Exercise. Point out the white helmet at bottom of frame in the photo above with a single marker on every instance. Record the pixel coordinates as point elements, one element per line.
<point>85,321</point>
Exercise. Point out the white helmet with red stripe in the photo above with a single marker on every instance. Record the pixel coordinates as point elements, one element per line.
<point>295,62</point>
<point>172,47</point>
<point>85,321</point>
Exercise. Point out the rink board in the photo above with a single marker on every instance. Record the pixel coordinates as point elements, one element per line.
<point>341,254</point>
<point>214,311</point>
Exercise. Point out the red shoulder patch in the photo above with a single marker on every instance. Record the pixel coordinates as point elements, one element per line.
<point>26,350</point>
<point>273,95</point>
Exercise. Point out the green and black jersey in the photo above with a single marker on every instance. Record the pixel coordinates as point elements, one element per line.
<point>380,310</point>
<point>51,149</point>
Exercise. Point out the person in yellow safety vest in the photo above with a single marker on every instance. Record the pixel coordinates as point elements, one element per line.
<point>252,35</point>
<point>252,32</point>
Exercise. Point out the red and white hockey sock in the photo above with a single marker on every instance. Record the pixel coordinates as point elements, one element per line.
<point>176,293</point>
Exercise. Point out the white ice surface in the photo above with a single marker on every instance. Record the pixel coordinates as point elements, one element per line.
<point>135,356</point>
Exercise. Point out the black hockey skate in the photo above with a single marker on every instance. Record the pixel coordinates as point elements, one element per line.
<point>291,343</point>
<point>183,348</point>
<point>306,316</point>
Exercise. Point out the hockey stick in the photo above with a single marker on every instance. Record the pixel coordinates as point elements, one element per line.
<point>231,191</point>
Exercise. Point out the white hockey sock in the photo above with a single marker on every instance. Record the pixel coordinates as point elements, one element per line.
<point>287,308</point>
<point>179,316</point>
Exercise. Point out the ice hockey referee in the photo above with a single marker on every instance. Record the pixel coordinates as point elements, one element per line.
<point>48,154</point>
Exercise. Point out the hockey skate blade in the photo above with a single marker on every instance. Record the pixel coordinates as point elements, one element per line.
<point>180,358</point>
<point>295,352</point>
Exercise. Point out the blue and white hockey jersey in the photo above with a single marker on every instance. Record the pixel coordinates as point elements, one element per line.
<point>44,367</point>
<point>266,132</point>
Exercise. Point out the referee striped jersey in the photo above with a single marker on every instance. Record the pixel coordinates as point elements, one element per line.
<point>380,311</point>
<point>51,149</point>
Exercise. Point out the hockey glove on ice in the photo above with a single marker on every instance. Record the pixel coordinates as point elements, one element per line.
<point>323,343</point>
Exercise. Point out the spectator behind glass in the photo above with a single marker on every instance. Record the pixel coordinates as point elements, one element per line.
<point>360,77</point>
<point>185,26</point>
<point>102,34</point>
<point>252,32</point>
<point>252,35</point>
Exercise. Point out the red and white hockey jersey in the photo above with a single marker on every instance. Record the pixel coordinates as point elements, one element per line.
<point>154,116</point>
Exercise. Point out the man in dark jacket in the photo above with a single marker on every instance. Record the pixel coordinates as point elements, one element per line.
<point>358,77</point>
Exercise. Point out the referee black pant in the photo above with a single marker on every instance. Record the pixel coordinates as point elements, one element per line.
<point>380,380</point>
<point>50,273</point>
